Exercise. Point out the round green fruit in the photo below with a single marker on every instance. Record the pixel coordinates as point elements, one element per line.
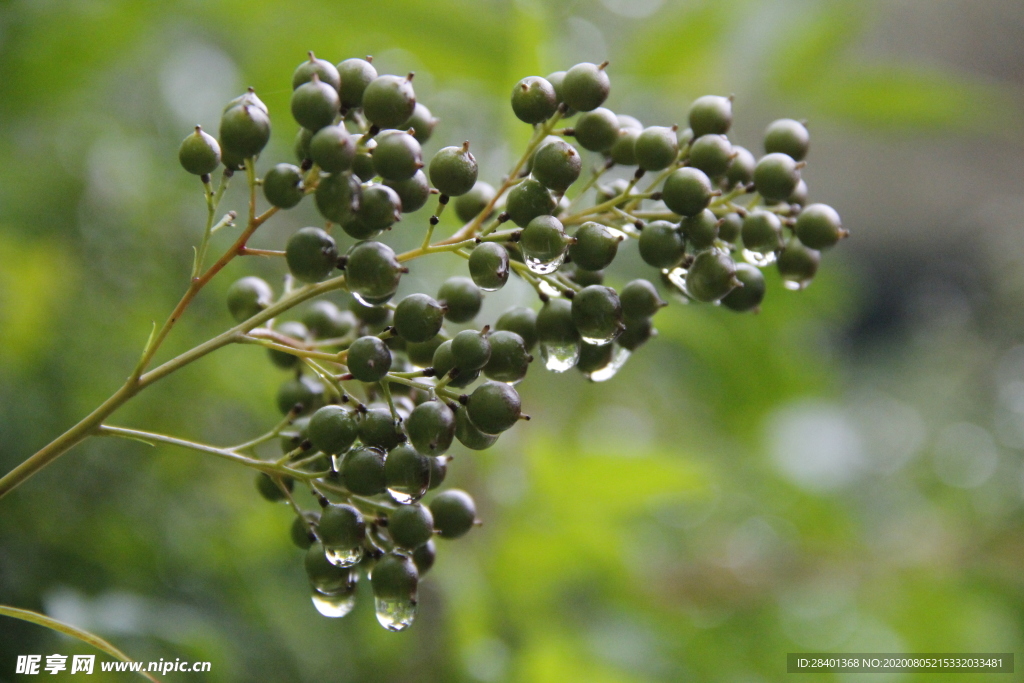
<point>355,75</point>
<point>418,318</point>
<point>711,276</point>
<point>489,266</point>
<point>462,298</point>
<point>199,153</point>
<point>454,513</point>
<point>311,254</point>
<point>332,149</point>
<point>410,526</point>
<point>533,99</point>
<point>431,428</point>
<point>597,130</point>
<point>362,471</point>
<point>373,272</point>
<point>494,407</point>
<point>661,245</point>
<point>453,170</point>
<point>710,114</point>
<point>248,296</point>
<point>282,186</point>
<point>369,359</point>
<point>388,101</point>
<point>333,430</point>
<point>585,86</point>
<point>751,294</point>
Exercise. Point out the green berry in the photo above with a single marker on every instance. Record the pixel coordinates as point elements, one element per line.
<point>395,578</point>
<point>799,194</point>
<point>363,472</point>
<point>594,357</point>
<point>710,114</point>
<point>397,155</point>
<point>527,200</point>
<point>377,429</point>
<point>325,321</point>
<point>711,276</point>
<point>522,321</point>
<point>431,428</point>
<point>701,230</point>
<point>627,122</point>
<point>421,354</point>
<point>509,359</point>
<point>304,391</point>
<point>776,176</point>
<point>624,150</point>
<point>749,296</point>
<point>380,208</point>
<point>656,148</point>
<point>597,314</point>
<point>269,489</point>
<point>687,191</point>
<point>462,297</point>
<point>341,526</point>
<point>543,243</point>
<point>407,472</point>
<point>413,192</point>
<point>557,165</point>
<point>324,576</point>
<point>424,556</point>
<point>661,245</point>
<point>369,359</point>
<point>370,315</point>
<point>332,149</point>
<point>597,130</point>
<point>302,140</point>
<point>438,471</point>
<point>244,131</point>
<point>471,350</point>
<point>494,407</point>
<point>333,430</point>
<point>762,231</point>
<point>248,296</point>
<point>355,74</point>
<point>410,526</point>
<point>282,186</point>
<point>418,318</point>
<point>421,124</point>
<point>595,246</point>
<point>788,137</point>
<point>315,104</point>
<point>556,80</point>
<point>533,100</point>
<point>373,272</point>
<point>311,254</point>
<point>324,70</point>
<point>730,228</point>
<point>338,196</point>
<point>584,277</point>
<point>389,101</point>
<point>585,86</point>
<point>640,299</point>
<point>797,264</point>
<point>468,206</point>
<point>199,153</point>
<point>636,333</point>
<point>818,226</point>
<point>711,154</point>
<point>362,165</point>
<point>453,170</point>
<point>741,168</point>
<point>468,435</point>
<point>454,513</point>
<point>555,326</point>
<point>489,266</point>
<point>247,99</point>
<point>299,531</point>
<point>444,363</point>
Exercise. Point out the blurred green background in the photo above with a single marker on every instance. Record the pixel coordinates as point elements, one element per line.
<point>840,473</point>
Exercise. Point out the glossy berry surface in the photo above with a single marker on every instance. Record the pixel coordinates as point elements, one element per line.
<point>431,428</point>
<point>751,294</point>
<point>710,114</point>
<point>640,299</point>
<point>557,165</point>
<point>397,155</point>
<point>687,191</point>
<point>373,272</point>
<point>533,99</point>
<point>787,137</point>
<point>388,101</point>
<point>362,471</point>
<point>595,247</point>
<point>282,186</point>
<point>470,204</point>
<point>585,87</point>
<point>453,171</point>
<point>661,245</point>
<point>522,321</point>
<point>410,526</point>
<point>597,130</point>
<point>248,296</point>
<point>311,254</point>
<point>333,429</point>
<point>776,176</point>
<point>355,75</point>
<point>711,154</point>
<point>597,313</point>
<point>199,153</point>
<point>315,104</point>
<point>509,360</point>
<point>332,149</point>
<point>418,317</point>
<point>655,148</point>
<point>711,276</point>
<point>462,297</point>
<point>818,226</point>
<point>369,359</point>
<point>527,200</point>
<point>489,266</point>
<point>454,513</point>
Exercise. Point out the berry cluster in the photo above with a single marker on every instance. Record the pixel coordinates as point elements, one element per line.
<point>376,400</point>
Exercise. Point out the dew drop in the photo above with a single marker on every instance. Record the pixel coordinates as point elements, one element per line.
<point>344,557</point>
<point>601,341</point>
<point>560,357</point>
<point>541,267</point>
<point>372,301</point>
<point>677,277</point>
<point>395,615</point>
<point>757,259</point>
<point>796,285</point>
<point>334,605</point>
<point>549,289</point>
<point>404,496</point>
<point>607,372</point>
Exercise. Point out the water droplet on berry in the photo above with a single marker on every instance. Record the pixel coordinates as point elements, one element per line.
<point>344,557</point>
<point>549,289</point>
<point>757,259</point>
<point>560,357</point>
<point>607,372</point>
<point>395,614</point>
<point>336,604</point>
<point>405,496</point>
<point>677,277</point>
<point>364,301</point>
<point>795,285</point>
<point>600,341</point>
<point>542,267</point>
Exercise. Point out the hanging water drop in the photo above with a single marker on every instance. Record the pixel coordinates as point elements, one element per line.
<point>549,289</point>
<point>542,267</point>
<point>404,495</point>
<point>607,372</point>
<point>677,278</point>
<point>395,614</point>
<point>334,605</point>
<point>757,259</point>
<point>344,557</point>
<point>559,357</point>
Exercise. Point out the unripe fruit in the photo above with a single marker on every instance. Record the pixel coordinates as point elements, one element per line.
<point>489,266</point>
<point>462,297</point>
<point>424,556</point>
<point>248,296</point>
<point>797,264</point>
<point>700,230</point>
<point>444,362</point>
<point>247,99</point>
<point>799,194</point>
<point>395,578</point>
<point>469,205</point>
<point>762,231</point>
<point>557,165</point>
<point>661,245</point>
<point>741,168</point>
<point>389,101</point>
<point>624,150</point>
<point>509,359</point>
<point>543,241</point>
<point>295,330</point>
<point>640,299</point>
<point>374,316</point>
<point>453,170</point>
<point>595,246</point>
<point>438,471</point>
<point>454,513</point>
<point>711,276</point>
<point>324,576</point>
<point>199,153</point>
<point>522,321</point>
<point>533,100</point>
<point>338,196</point>
<point>397,155</point>
<point>656,148</point>
<point>710,114</point>
<point>355,74</point>
<point>315,104</point>
<point>244,131</point>
<point>527,200</point>
<point>413,192</point>
<point>687,191</point>
<point>377,429</point>
<point>324,70</point>
<point>421,354</point>
<point>469,436</point>
<point>711,154</point>
<point>494,407</point>
<point>333,430</point>
<point>362,165</point>
<point>418,318</point>
<point>555,325</point>
<point>369,359</point>
<point>788,137</point>
<point>597,130</point>
<point>431,428</point>
<point>637,332</point>
<point>379,209</point>
<point>341,526</point>
<point>410,526</point>
<point>311,254</point>
<point>303,391</point>
<point>407,472</point>
<point>325,321</point>
<point>282,186</point>
<point>362,471</point>
<point>269,489</point>
<point>332,149</point>
<point>556,80</point>
<point>776,176</point>
<point>421,123</point>
<point>730,228</point>
<point>299,531</point>
<point>584,277</point>
<point>373,272</point>
<point>749,296</point>
<point>818,226</point>
<point>597,314</point>
<point>302,140</point>
<point>585,86</point>
<point>594,357</point>
<point>471,350</point>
